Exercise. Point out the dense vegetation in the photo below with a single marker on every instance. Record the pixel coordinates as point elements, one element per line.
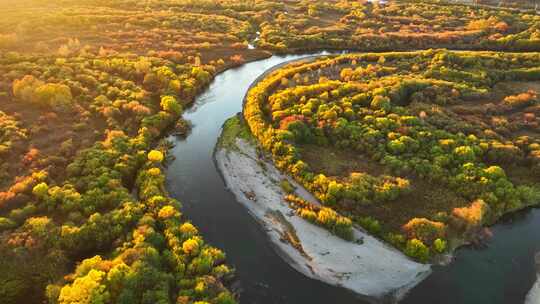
<point>418,147</point>
<point>82,183</point>
<point>89,88</point>
<point>401,25</point>
<point>70,206</point>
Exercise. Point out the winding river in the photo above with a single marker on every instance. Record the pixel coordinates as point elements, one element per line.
<point>501,273</point>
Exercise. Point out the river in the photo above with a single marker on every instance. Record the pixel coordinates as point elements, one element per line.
<point>501,273</point>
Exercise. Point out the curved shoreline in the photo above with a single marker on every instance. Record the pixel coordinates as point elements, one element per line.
<point>371,269</point>
<point>533,297</point>
<point>221,162</point>
<point>312,58</point>
<point>202,119</point>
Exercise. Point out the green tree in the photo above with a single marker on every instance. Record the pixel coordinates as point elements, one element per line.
<point>171,105</point>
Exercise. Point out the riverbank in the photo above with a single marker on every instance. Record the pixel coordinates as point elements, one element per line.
<point>533,297</point>
<point>372,268</point>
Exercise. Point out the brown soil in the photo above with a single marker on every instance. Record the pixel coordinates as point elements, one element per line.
<point>339,163</point>
<point>426,199</point>
<point>47,131</point>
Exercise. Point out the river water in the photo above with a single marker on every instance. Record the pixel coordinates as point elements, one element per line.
<point>501,273</point>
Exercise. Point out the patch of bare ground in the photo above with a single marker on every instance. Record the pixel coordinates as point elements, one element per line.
<point>503,121</point>
<point>337,162</point>
<point>425,199</point>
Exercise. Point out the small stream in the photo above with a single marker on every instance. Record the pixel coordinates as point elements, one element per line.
<point>502,273</point>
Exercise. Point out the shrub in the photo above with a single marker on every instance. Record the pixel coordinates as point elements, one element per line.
<point>380,103</point>
<point>191,247</point>
<point>40,190</point>
<point>370,224</point>
<point>473,215</point>
<point>155,156</point>
<point>439,245</point>
<point>6,223</point>
<point>171,105</point>
<point>425,230</point>
<point>286,186</point>
<point>416,249</point>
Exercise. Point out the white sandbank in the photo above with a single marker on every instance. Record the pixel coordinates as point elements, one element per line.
<point>534,294</point>
<point>533,297</point>
<point>373,268</point>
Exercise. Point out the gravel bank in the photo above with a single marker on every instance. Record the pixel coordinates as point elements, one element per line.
<point>371,269</point>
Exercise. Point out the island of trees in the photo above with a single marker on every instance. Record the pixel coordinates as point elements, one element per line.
<point>420,148</point>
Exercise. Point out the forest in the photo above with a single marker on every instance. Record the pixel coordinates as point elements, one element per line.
<point>89,90</point>
<point>421,148</point>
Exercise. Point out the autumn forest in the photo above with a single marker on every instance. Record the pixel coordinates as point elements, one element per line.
<point>422,133</point>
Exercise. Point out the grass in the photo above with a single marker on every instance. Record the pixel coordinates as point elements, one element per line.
<point>286,186</point>
<point>338,162</point>
<point>234,128</point>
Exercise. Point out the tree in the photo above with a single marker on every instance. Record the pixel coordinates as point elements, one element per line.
<point>54,95</point>
<point>416,249</point>
<point>473,215</point>
<point>32,90</point>
<point>439,245</point>
<point>170,104</point>
<point>24,88</point>
<point>40,190</point>
<point>464,154</point>
<point>424,229</point>
<point>380,102</point>
<point>191,246</point>
<point>86,290</point>
<point>155,156</point>
<point>167,212</point>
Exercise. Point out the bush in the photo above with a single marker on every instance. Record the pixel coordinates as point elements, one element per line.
<point>40,190</point>
<point>287,187</point>
<point>416,249</point>
<point>171,105</point>
<point>439,245</point>
<point>473,215</point>
<point>381,103</point>
<point>155,156</point>
<point>370,224</point>
<point>6,224</point>
<point>425,230</point>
